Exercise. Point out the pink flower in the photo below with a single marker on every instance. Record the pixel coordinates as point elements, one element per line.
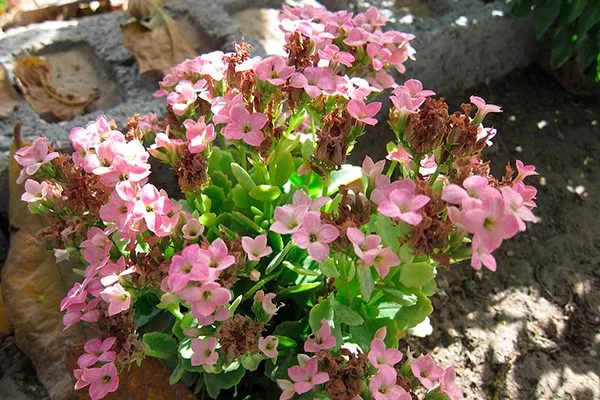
<point>307,376</point>
<point>527,192</point>
<point>382,80</point>
<point>475,187</point>
<point>371,170</point>
<point>426,370</point>
<point>287,219</point>
<point>199,135</point>
<point>362,243</point>
<point>515,203</point>
<point>404,205</point>
<point>381,259</point>
<point>97,350</point>
<point>154,207</point>
<point>314,80</point>
<point>401,156</point>
<point>204,351</point>
<point>82,311</point>
<point>356,37</point>
<point>245,126</point>
<point>315,236</point>
<point>491,222</point>
<point>301,200</point>
<point>188,266</point>
<point>111,273</point>
<point>381,357</point>
<point>183,96</point>
<point>221,107</point>
<point>268,346</point>
<point>96,248</point>
<point>483,109</point>
<point>103,380</point>
<point>206,298</point>
<point>383,387</point>
<point>31,158</point>
<point>217,257</point>
<point>379,55</point>
<point>480,256</point>
<point>332,53</point>
<point>117,297</point>
<point>364,112</point>
<point>322,340</point>
<point>256,248</point>
<point>287,389</point>
<point>192,229</point>
<point>274,70</point>
<point>35,191</point>
<point>266,301</point>
<point>414,88</point>
<point>448,385</point>
<point>525,170</point>
<point>220,313</point>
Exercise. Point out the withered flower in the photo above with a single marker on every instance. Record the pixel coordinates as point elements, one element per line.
<point>427,129</point>
<point>239,335</point>
<point>332,140</point>
<point>192,170</point>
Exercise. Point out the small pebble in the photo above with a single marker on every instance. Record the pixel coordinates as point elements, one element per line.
<point>497,13</point>
<point>512,118</point>
<point>518,149</point>
<point>542,124</point>
<point>542,181</point>
<point>462,21</point>
<point>594,123</point>
<point>579,189</point>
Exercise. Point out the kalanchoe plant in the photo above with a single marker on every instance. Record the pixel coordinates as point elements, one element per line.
<point>277,260</point>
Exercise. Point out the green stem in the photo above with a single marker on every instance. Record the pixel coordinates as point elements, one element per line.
<point>434,176</point>
<point>391,169</point>
<point>241,218</point>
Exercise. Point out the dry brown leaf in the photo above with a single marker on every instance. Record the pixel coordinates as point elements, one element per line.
<point>9,98</point>
<point>32,289</point>
<point>34,76</point>
<point>6,327</point>
<point>150,381</point>
<point>157,50</point>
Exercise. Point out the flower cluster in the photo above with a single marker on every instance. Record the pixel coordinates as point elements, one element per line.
<point>275,258</point>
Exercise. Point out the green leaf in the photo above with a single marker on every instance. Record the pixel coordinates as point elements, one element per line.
<point>409,317</point>
<point>303,287</point>
<point>586,52</point>
<point>403,296</point>
<point>145,308</point>
<point>242,177</point>
<point>548,13</point>
<point>212,389</point>
<point>265,193</point>
<point>227,380</point>
<point>278,258</point>
<point>346,314</point>
<point>391,233</point>
<point>576,8</point>
<point>296,120</point>
<point>300,270</point>
<point>388,309</point>
<point>250,361</point>
<point>183,323</point>
<point>365,281</point>
<point>281,170</point>
<point>416,274</point>
<point>589,18</point>
<point>321,311</point>
<point>520,8</point>
<point>160,345</point>
<point>286,342</point>
<point>344,176</point>
<point>177,373</point>
<point>329,268</point>
<point>240,197</point>
<point>562,47</point>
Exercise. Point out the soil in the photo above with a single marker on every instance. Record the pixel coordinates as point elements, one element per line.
<point>532,329</point>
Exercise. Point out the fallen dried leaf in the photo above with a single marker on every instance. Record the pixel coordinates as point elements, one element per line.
<point>8,96</point>
<point>32,289</point>
<point>34,76</point>
<point>158,49</point>
<point>6,327</point>
<point>150,381</point>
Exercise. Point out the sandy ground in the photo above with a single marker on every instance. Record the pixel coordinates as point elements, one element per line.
<point>532,329</point>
